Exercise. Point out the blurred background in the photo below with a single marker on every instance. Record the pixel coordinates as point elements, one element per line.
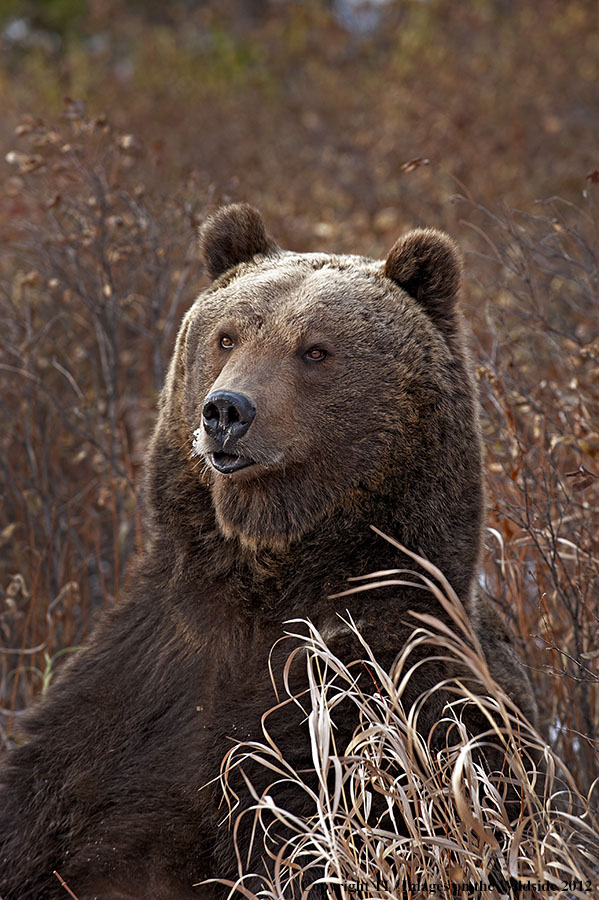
<point>124,124</point>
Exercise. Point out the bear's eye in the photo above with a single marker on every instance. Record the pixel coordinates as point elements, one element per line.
<point>226,342</point>
<point>315,354</point>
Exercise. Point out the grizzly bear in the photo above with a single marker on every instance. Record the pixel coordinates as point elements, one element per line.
<point>309,397</point>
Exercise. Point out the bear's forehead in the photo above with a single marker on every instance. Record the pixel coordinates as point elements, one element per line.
<point>300,291</point>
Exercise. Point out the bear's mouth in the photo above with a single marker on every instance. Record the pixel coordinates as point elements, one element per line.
<point>227,463</point>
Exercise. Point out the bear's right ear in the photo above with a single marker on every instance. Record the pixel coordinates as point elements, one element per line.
<point>428,266</point>
<point>234,234</point>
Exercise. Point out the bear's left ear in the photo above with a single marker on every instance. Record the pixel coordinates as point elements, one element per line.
<point>234,234</point>
<point>428,266</point>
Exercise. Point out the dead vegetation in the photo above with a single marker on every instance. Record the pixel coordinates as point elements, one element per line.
<point>392,814</point>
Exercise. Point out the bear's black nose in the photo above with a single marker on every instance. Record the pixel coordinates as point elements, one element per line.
<point>227,416</point>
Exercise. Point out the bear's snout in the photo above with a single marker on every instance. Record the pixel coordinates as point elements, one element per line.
<point>227,416</point>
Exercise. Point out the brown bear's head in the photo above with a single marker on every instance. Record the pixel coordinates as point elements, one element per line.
<point>304,383</point>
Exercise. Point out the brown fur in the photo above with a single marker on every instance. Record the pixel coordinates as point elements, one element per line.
<point>108,788</point>
<point>228,242</point>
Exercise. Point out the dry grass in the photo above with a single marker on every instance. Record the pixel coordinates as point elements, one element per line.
<point>391,814</point>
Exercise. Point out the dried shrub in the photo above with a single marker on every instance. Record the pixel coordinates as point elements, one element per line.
<point>91,294</point>
<point>539,368</point>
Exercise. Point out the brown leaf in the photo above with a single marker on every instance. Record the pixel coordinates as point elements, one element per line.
<point>582,478</point>
<point>583,483</point>
<point>415,163</point>
<point>7,533</point>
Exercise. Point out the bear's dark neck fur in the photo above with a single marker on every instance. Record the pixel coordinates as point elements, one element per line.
<point>296,579</point>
